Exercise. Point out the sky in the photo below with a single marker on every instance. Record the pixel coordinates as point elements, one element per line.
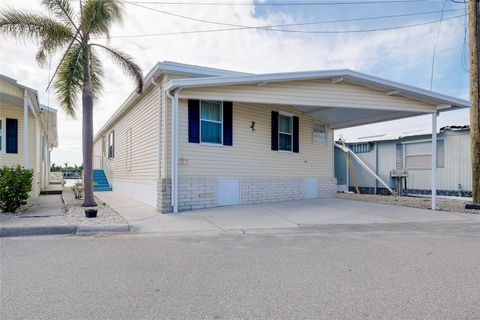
<point>400,54</point>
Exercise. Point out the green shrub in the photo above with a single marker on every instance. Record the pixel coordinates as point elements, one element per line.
<point>15,184</point>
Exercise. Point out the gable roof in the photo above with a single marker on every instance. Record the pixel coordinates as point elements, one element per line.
<point>171,68</point>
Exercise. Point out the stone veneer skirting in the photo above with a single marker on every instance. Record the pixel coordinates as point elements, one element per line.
<point>200,192</point>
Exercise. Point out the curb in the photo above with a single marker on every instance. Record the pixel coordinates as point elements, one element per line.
<point>36,231</point>
<point>59,230</point>
<point>113,228</point>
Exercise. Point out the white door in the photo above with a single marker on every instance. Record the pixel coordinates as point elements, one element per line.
<point>310,188</point>
<point>228,192</point>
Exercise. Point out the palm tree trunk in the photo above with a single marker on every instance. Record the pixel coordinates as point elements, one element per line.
<point>87,141</point>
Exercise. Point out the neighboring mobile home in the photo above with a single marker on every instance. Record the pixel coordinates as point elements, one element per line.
<point>412,152</point>
<point>201,137</point>
<point>28,131</point>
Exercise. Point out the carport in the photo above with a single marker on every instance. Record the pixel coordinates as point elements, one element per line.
<point>337,98</point>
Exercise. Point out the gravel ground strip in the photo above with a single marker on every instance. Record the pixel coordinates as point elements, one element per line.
<point>443,204</point>
<point>75,213</point>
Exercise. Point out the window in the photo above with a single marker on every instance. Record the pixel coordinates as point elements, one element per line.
<point>319,133</point>
<point>211,124</point>
<point>285,132</point>
<point>418,155</point>
<point>111,143</point>
<point>360,147</point>
<point>9,135</point>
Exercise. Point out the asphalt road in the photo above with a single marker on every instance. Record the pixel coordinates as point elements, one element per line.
<point>364,272</point>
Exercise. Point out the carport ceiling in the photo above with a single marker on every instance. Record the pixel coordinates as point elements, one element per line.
<point>340,118</point>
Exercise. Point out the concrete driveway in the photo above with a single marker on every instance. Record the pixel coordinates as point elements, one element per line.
<point>280,215</point>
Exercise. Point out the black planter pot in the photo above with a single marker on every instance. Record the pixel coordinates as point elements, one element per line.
<point>472,206</point>
<point>91,213</point>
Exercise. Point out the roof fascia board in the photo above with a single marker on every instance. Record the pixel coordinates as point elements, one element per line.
<point>185,68</point>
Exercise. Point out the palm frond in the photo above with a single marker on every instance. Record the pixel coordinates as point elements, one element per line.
<point>49,45</point>
<point>126,63</point>
<point>69,78</point>
<point>62,10</point>
<point>99,15</point>
<point>31,26</point>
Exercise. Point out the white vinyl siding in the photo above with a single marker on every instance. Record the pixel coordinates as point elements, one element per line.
<point>135,141</point>
<point>13,159</point>
<point>453,163</point>
<point>251,154</point>
<point>456,171</point>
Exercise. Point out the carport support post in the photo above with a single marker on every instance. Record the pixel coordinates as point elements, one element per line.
<point>25,129</point>
<point>434,160</point>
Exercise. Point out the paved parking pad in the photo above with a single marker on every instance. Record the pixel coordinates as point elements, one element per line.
<point>279,215</point>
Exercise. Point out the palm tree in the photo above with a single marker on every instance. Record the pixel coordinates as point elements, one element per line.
<point>80,68</point>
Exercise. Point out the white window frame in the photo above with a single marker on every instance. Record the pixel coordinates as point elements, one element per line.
<point>325,134</point>
<point>212,121</point>
<point>3,147</point>
<point>286,133</point>
<point>405,155</point>
<point>112,140</point>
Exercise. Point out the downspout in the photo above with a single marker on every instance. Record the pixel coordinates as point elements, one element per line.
<point>174,195</point>
<point>376,166</point>
<point>25,129</point>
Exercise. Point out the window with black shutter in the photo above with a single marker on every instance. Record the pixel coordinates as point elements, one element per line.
<point>11,135</point>
<point>111,144</point>
<point>210,122</point>
<point>285,132</point>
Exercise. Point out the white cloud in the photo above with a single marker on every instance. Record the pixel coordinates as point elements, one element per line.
<point>402,55</point>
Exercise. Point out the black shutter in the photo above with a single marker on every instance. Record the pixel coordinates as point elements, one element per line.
<point>295,135</point>
<point>11,135</point>
<point>275,130</point>
<point>227,123</point>
<point>194,121</point>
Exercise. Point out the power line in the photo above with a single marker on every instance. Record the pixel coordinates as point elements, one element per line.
<point>268,27</point>
<point>305,3</point>
<point>271,27</point>
<point>436,44</point>
<point>250,27</point>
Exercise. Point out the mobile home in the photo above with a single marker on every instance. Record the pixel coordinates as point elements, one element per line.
<point>28,131</point>
<point>412,153</point>
<point>200,137</point>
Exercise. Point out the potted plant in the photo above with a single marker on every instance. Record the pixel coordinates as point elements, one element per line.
<point>91,213</point>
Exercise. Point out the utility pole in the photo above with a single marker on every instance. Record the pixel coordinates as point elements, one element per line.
<point>474,44</point>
